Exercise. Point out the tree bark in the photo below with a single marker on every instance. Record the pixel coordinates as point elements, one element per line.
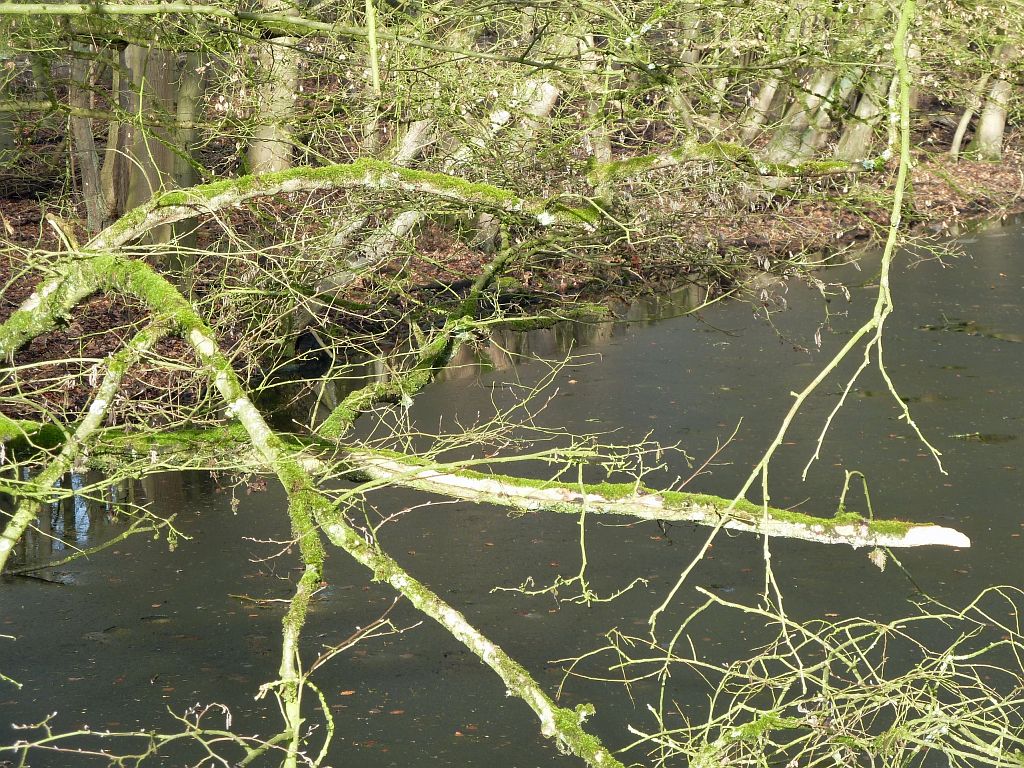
<point>988,137</point>
<point>276,86</point>
<point>88,161</point>
<point>858,135</point>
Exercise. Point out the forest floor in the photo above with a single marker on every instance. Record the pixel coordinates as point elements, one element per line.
<point>785,235</point>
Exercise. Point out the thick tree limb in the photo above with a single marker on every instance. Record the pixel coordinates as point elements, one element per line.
<point>632,500</point>
<point>460,481</point>
<point>170,207</point>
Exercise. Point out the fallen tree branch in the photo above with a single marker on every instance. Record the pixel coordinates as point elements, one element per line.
<point>460,481</point>
<point>177,205</point>
<point>633,500</point>
<point>308,507</point>
<point>693,151</point>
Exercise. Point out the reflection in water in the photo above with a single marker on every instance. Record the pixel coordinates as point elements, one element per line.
<point>81,516</point>
<point>974,328</point>
<point>92,512</point>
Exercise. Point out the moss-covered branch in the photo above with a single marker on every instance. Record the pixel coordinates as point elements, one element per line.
<point>367,173</point>
<point>632,500</point>
<point>459,481</point>
<point>309,509</point>
<point>432,356</point>
<point>565,725</point>
<point>430,359</point>
<point>36,490</point>
<point>49,302</point>
<point>736,154</point>
<point>32,433</point>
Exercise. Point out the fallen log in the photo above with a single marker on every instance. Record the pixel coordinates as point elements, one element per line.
<point>634,500</point>
<point>460,481</point>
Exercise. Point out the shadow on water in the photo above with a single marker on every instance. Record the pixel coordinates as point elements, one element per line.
<point>140,628</point>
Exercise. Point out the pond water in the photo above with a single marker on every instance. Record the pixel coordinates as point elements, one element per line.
<point>138,631</point>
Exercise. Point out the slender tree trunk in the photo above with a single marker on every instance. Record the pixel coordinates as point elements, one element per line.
<point>6,140</point>
<point>277,83</point>
<point>538,96</point>
<point>965,119</point>
<point>6,129</point>
<point>150,151</point>
<point>770,90</point>
<point>680,106</point>
<point>190,91</point>
<point>859,134</point>
<point>86,156</point>
<point>988,138</point>
<point>913,59</point>
<point>597,135</point>
<point>147,140</point>
<point>760,108</point>
<point>115,171</point>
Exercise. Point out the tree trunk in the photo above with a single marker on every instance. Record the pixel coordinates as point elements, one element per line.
<point>598,136</point>
<point>190,90</point>
<point>151,153</point>
<point>115,171</point>
<point>859,134</point>
<point>277,83</point>
<point>86,157</point>
<point>6,130</point>
<point>151,162</point>
<point>988,138</point>
<point>760,108</point>
<point>786,145</point>
<point>965,119</point>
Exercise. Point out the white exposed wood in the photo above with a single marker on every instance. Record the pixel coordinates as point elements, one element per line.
<point>529,496</point>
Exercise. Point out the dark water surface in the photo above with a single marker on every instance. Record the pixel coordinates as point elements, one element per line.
<point>138,630</point>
